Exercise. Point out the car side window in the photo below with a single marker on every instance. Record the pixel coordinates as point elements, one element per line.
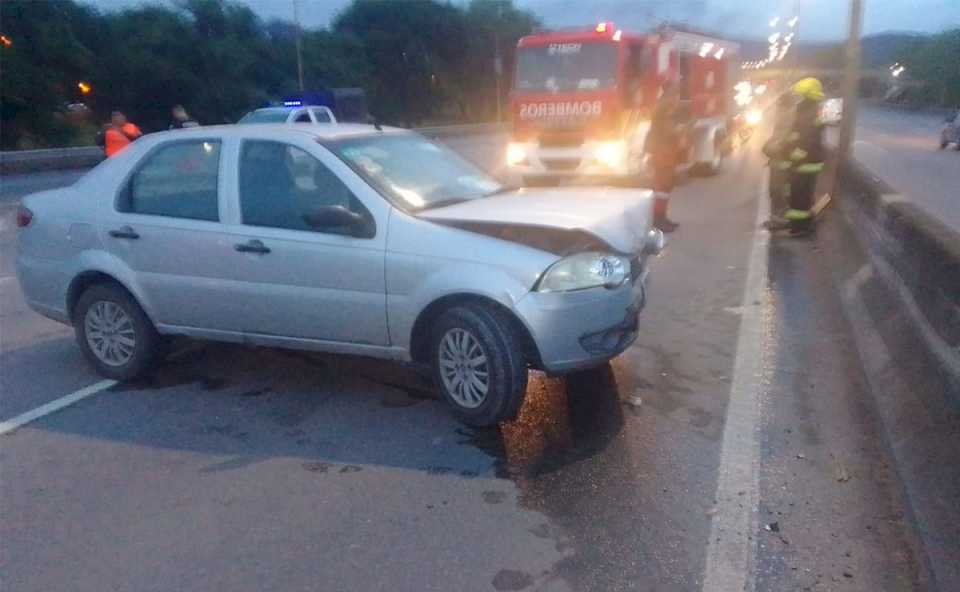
<point>178,180</point>
<point>302,117</point>
<point>321,115</point>
<point>280,185</point>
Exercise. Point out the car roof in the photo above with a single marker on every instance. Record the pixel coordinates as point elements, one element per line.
<point>320,131</point>
<point>288,107</point>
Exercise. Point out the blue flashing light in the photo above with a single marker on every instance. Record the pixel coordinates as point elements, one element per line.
<point>293,103</point>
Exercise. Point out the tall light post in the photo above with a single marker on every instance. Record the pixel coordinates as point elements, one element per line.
<point>851,80</point>
<point>296,20</point>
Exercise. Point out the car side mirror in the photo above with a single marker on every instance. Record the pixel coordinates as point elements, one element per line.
<point>334,217</point>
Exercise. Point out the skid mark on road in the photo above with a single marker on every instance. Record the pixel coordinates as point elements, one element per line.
<point>53,406</point>
<point>731,548</point>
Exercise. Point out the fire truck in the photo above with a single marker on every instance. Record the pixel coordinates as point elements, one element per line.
<point>582,99</point>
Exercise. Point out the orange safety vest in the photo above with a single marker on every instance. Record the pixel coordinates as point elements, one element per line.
<point>115,140</point>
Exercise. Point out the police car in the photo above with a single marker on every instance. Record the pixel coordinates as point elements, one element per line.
<point>290,112</point>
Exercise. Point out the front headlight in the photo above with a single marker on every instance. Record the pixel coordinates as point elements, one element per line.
<point>611,154</point>
<point>585,270</point>
<point>754,116</point>
<point>516,154</point>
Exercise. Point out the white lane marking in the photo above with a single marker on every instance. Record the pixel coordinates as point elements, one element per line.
<point>53,406</point>
<point>731,550</point>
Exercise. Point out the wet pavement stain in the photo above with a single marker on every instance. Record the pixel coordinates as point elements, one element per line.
<point>255,392</point>
<point>317,467</point>
<point>510,579</point>
<point>494,497</point>
<point>350,469</point>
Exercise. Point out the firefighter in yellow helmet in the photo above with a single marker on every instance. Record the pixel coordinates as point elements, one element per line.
<point>804,150</point>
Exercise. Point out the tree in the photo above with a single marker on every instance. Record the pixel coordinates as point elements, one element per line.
<point>41,68</point>
<point>495,26</point>
<point>411,48</point>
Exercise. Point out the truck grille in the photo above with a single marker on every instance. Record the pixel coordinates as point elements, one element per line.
<point>561,164</point>
<point>561,140</point>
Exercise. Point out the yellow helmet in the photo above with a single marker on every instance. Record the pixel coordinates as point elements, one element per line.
<point>809,88</point>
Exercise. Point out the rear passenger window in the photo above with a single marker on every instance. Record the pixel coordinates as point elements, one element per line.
<point>321,115</point>
<point>178,180</point>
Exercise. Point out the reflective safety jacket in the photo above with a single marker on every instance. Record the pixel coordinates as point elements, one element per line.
<point>804,143</point>
<point>116,139</point>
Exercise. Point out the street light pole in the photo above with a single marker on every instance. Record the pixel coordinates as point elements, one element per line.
<point>851,80</point>
<point>296,20</point>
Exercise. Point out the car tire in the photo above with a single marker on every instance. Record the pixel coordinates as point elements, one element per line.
<point>944,144</point>
<point>114,333</point>
<point>461,338</point>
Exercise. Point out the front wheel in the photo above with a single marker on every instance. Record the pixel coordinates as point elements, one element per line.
<point>944,143</point>
<point>114,333</point>
<point>478,364</point>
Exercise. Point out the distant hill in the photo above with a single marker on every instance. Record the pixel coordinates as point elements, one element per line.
<point>884,49</point>
<point>879,50</point>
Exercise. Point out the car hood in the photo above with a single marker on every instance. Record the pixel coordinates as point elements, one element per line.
<point>618,218</point>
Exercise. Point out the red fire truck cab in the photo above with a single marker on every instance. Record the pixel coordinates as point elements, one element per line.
<point>581,100</point>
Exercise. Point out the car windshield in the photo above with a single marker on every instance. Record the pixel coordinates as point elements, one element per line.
<point>266,116</point>
<point>414,172</point>
<point>567,66</point>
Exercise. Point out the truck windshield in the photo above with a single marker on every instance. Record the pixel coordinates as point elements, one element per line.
<point>413,172</point>
<point>567,66</point>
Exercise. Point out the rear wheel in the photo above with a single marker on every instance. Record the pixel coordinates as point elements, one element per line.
<point>114,333</point>
<point>944,143</point>
<point>478,364</point>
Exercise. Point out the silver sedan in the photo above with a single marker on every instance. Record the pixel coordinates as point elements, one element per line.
<point>344,239</point>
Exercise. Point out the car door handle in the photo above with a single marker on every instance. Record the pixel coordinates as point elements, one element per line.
<point>252,246</point>
<point>124,232</point>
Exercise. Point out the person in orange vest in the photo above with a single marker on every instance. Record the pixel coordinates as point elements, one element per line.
<point>664,145</point>
<point>117,134</point>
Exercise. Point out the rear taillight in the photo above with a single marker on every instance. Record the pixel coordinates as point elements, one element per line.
<point>24,217</point>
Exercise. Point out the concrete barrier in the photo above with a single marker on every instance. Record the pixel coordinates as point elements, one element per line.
<point>898,272</point>
<point>30,161</point>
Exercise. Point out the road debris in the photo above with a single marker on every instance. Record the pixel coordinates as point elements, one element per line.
<point>772,527</point>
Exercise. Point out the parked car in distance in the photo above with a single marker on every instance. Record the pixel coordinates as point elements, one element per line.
<point>339,238</point>
<point>950,134</point>
<point>290,114</point>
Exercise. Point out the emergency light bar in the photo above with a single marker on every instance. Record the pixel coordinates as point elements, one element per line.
<point>293,103</point>
<point>604,27</point>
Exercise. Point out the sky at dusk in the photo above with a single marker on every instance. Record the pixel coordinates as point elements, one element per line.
<point>821,20</point>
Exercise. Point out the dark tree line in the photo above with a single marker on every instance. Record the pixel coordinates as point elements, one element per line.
<point>418,62</point>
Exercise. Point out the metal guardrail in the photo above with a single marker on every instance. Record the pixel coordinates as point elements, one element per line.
<point>31,161</point>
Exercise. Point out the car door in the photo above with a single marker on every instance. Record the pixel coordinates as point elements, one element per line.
<point>165,226</point>
<point>295,280</point>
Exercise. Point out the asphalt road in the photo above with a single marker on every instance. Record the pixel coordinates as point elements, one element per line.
<point>901,147</point>
<point>240,469</point>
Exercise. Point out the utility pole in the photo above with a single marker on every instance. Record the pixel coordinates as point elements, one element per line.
<point>296,20</point>
<point>497,59</point>
<point>851,80</point>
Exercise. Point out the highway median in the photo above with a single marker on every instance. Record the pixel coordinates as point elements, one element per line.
<point>898,272</point>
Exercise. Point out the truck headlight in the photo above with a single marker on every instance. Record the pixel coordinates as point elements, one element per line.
<point>612,154</point>
<point>585,270</point>
<point>516,154</point>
